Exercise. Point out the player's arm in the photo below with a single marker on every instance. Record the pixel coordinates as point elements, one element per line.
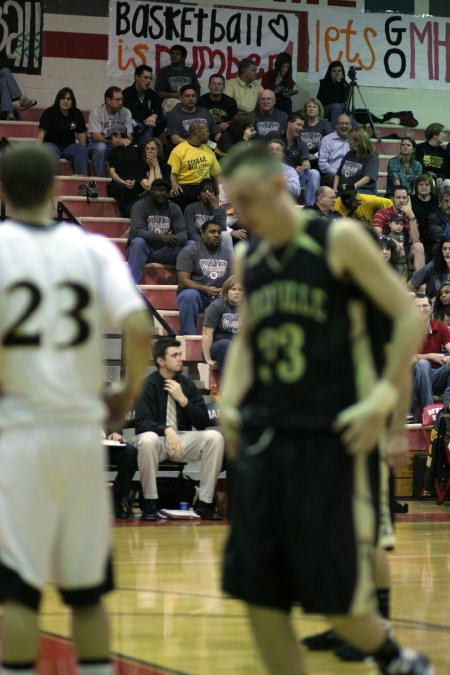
<point>237,375</point>
<point>353,253</point>
<point>137,330</point>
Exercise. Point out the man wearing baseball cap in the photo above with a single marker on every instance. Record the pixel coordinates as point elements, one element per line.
<point>158,230</point>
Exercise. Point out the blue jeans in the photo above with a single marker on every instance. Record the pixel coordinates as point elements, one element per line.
<point>219,350</point>
<point>141,137</point>
<point>310,180</point>
<point>75,152</point>
<point>9,90</point>
<point>141,252</point>
<point>428,381</point>
<point>99,153</point>
<point>191,303</point>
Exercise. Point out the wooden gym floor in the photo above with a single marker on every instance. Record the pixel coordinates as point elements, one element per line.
<point>169,616</point>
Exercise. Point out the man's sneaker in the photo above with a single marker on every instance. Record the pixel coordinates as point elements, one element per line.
<point>409,662</point>
<point>348,652</point>
<point>89,190</point>
<point>26,103</point>
<point>327,641</point>
<point>122,507</point>
<point>150,510</point>
<point>207,511</point>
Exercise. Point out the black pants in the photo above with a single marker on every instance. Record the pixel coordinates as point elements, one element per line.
<point>125,458</point>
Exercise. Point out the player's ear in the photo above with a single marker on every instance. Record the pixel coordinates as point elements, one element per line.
<point>278,182</point>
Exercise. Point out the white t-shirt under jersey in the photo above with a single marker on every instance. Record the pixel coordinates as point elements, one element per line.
<point>58,287</point>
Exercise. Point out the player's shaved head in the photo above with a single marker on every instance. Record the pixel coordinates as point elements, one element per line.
<point>253,158</point>
<point>28,175</point>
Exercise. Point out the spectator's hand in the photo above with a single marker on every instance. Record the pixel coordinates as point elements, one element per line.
<point>150,121</point>
<point>169,239</point>
<point>300,169</point>
<point>174,445</point>
<point>174,390</point>
<point>212,199</point>
<point>248,133</point>
<point>177,189</point>
<point>239,234</point>
<point>130,184</point>
<point>223,126</point>
<point>118,438</point>
<point>396,450</point>
<point>442,359</point>
<point>407,210</point>
<point>312,158</point>
<point>211,364</point>
<point>213,291</point>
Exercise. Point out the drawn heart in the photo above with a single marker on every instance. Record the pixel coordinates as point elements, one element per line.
<point>274,27</point>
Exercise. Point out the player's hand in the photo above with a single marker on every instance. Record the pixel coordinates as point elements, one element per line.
<point>396,450</point>
<point>174,445</point>
<point>118,401</point>
<point>231,427</point>
<point>174,390</point>
<point>361,425</point>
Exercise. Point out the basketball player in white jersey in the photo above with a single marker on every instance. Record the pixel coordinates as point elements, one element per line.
<point>58,287</point>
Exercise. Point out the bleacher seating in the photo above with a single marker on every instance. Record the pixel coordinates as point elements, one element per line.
<point>102,216</point>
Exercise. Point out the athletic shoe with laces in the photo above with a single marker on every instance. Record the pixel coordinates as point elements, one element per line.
<point>26,103</point>
<point>150,510</point>
<point>409,662</point>
<point>207,511</point>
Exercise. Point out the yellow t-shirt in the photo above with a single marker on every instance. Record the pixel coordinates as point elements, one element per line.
<point>369,205</point>
<point>191,164</point>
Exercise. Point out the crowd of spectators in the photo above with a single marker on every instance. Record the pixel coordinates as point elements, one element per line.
<point>162,148</point>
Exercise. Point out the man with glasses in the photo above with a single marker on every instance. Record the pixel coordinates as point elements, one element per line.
<point>101,120</point>
<point>144,104</point>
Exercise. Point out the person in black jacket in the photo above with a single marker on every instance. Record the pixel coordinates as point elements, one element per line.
<point>333,90</point>
<point>144,104</point>
<point>168,409</point>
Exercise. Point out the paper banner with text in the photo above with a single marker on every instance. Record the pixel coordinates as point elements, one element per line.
<point>21,26</point>
<point>390,49</point>
<point>216,38</point>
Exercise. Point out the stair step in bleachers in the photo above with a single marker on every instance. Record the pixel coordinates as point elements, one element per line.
<point>19,129</point>
<point>109,227</point>
<point>121,244</point>
<point>162,296</point>
<point>70,184</point>
<point>154,273</point>
<point>173,319</point>
<point>193,348</point>
<point>34,114</point>
<point>102,207</point>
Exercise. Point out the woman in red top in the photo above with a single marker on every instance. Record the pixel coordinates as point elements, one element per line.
<point>279,80</point>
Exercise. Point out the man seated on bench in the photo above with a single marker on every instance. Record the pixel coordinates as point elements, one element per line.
<point>431,371</point>
<point>168,409</point>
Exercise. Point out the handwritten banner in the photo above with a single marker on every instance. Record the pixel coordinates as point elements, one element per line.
<point>21,26</point>
<point>216,38</point>
<point>392,50</point>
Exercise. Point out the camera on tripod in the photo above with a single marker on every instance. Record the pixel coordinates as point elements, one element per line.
<point>352,72</point>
